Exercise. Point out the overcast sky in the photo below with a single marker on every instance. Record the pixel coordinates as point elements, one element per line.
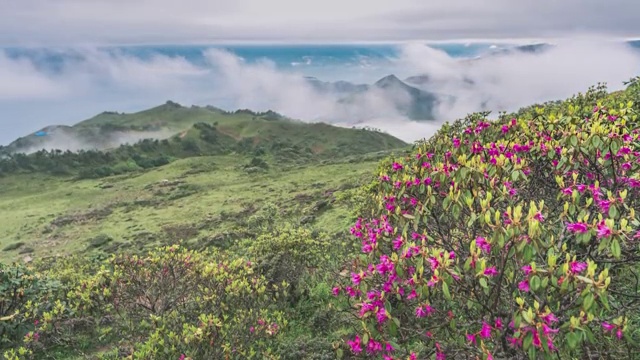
<point>169,21</point>
<point>32,97</point>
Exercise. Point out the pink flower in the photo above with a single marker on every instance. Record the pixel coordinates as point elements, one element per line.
<point>471,338</point>
<point>604,205</point>
<point>536,339</point>
<point>527,269</point>
<point>625,150</point>
<point>513,341</point>
<point>182,357</point>
<point>577,267</point>
<point>413,356</point>
<point>397,243</point>
<point>412,295</point>
<point>355,345</point>
<point>607,326</point>
<point>389,347</point>
<point>485,332</point>
<point>578,227</point>
<point>538,216</point>
<point>603,230</point>
<point>498,323</point>
<point>524,286</point>
<point>456,142</point>
<point>546,330</point>
<point>356,278</point>
<point>483,244</point>
<point>381,316</point>
<point>420,312</point>
<point>619,333</point>
<point>549,318</point>
<point>336,291</point>
<point>491,271</point>
<point>429,310</point>
<point>505,129</point>
<point>396,166</point>
<point>434,263</point>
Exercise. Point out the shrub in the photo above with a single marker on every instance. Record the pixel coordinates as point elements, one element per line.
<point>199,304</point>
<point>13,246</point>
<point>515,238</point>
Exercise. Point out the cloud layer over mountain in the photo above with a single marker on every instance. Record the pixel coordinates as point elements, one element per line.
<point>88,81</point>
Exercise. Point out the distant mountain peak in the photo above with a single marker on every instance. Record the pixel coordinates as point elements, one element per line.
<point>172,104</point>
<point>389,80</point>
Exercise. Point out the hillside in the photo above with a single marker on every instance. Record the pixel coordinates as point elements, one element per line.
<point>508,239</point>
<point>109,130</point>
<point>206,201</point>
<point>205,180</point>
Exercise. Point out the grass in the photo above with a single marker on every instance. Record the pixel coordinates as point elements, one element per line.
<point>191,199</point>
<point>203,200</point>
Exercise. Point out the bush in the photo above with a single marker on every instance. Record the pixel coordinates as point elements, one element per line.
<point>198,305</point>
<point>13,246</point>
<point>511,239</point>
<point>288,253</point>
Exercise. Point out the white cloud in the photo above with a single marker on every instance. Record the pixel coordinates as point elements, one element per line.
<point>94,80</point>
<point>19,79</point>
<point>519,79</point>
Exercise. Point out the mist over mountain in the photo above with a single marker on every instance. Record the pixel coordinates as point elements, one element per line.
<point>345,85</point>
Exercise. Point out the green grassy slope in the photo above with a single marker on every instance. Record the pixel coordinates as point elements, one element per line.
<point>106,129</point>
<point>200,199</point>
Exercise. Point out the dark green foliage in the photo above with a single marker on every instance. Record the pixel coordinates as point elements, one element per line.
<point>99,241</point>
<point>296,144</point>
<point>13,246</point>
<point>19,286</point>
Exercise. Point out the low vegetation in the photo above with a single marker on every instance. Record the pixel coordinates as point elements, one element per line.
<point>515,238</point>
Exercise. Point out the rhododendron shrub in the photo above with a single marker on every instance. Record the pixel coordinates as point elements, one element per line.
<point>170,303</point>
<point>200,305</point>
<point>514,238</point>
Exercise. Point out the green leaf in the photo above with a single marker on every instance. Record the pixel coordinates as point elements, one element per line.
<point>589,335</point>
<point>613,212</point>
<point>534,283</point>
<point>587,302</point>
<point>605,302</point>
<point>572,340</point>
<point>339,353</point>
<point>528,340</point>
<point>574,140</point>
<point>615,248</point>
<point>393,328</point>
<point>483,282</point>
<point>365,338</point>
<point>445,291</point>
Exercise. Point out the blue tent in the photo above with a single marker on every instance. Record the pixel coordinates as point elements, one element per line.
<point>41,133</point>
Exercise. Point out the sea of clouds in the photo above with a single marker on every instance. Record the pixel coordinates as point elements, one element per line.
<point>33,96</point>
